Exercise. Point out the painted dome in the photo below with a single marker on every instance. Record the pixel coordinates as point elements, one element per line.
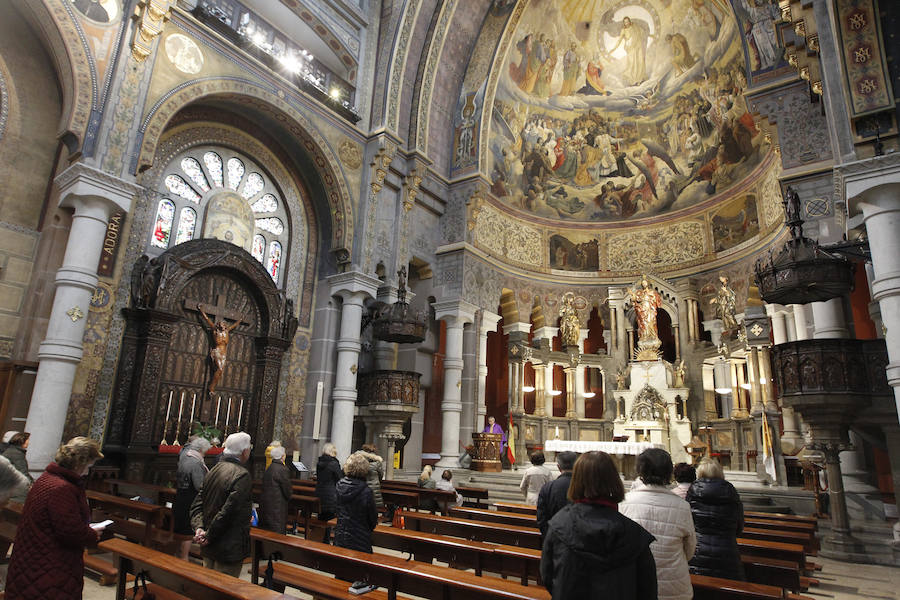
<point>606,112</point>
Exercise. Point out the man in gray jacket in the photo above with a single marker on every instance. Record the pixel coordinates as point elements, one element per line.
<point>220,514</point>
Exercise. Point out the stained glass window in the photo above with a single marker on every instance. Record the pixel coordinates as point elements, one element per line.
<point>213,164</point>
<point>274,263</point>
<point>179,186</point>
<point>192,168</point>
<point>186,224</point>
<point>271,224</point>
<point>235,173</point>
<point>165,214</point>
<point>267,203</point>
<point>258,250</point>
<point>254,184</point>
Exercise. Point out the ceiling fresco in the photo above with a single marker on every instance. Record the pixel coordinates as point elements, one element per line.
<point>609,111</point>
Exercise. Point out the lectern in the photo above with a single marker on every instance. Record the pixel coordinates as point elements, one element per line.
<point>487,452</point>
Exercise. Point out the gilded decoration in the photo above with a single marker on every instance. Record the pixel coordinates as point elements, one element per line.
<point>350,154</point>
<point>515,241</point>
<point>610,111</point>
<point>150,17</point>
<point>661,246</point>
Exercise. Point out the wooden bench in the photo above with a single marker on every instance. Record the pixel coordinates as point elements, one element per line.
<point>473,496</point>
<point>772,571</point>
<point>400,499</point>
<point>716,588</point>
<point>781,517</point>
<point>395,574</point>
<point>808,541</point>
<point>137,521</point>
<point>797,526</point>
<point>523,563</point>
<point>185,579</point>
<point>516,507</point>
<point>494,516</point>
<point>157,494</point>
<point>481,531</point>
<point>443,498</point>
<point>779,550</point>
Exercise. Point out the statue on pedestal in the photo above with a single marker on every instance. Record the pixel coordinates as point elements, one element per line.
<point>725,305</point>
<point>678,374</point>
<point>569,324</point>
<point>646,301</point>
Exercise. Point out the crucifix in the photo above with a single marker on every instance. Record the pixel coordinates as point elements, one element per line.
<point>220,332</point>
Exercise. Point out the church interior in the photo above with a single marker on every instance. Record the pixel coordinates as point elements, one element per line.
<point>607,224</point>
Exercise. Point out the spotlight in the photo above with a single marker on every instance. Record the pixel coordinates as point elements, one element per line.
<point>555,392</point>
<point>527,388</point>
<point>590,394</point>
<point>335,93</point>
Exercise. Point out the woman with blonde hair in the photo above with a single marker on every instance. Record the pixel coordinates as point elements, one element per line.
<point>328,473</point>
<point>718,518</point>
<point>47,558</point>
<point>426,482</point>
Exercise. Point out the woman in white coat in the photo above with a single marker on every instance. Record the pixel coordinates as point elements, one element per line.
<point>668,518</point>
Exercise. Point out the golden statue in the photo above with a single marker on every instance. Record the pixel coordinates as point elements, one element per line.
<point>646,300</point>
<point>725,300</point>
<point>569,324</point>
<point>219,351</point>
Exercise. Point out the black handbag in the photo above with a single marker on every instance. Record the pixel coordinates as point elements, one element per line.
<point>269,576</point>
<point>140,584</point>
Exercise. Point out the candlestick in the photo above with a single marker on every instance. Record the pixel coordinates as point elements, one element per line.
<point>193,404</point>
<point>557,432</point>
<point>218,404</point>
<point>166,422</point>
<point>240,414</point>
<point>227,419</point>
<point>178,427</point>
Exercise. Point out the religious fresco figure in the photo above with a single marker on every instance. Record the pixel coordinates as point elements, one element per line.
<point>569,324</point>
<point>633,39</point>
<point>646,301</point>
<point>217,354</point>
<point>571,68</point>
<point>760,31</point>
<point>725,304</point>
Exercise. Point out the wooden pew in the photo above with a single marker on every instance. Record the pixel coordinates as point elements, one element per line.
<point>781,551</point>
<point>137,521</point>
<point>157,494</point>
<point>394,573</point>
<point>796,526</point>
<point>444,499</point>
<point>401,499</point>
<point>771,571</point>
<point>523,563</point>
<point>781,517</point>
<point>184,578</point>
<point>715,588</point>
<point>473,496</point>
<point>494,516</point>
<point>809,542</point>
<point>511,535</point>
<point>516,507</point>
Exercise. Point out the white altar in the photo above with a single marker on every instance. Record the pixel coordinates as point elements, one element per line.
<point>614,448</point>
<point>653,410</point>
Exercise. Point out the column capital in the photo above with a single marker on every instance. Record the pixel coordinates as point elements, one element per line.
<point>353,284</point>
<point>81,185</point>
<point>518,327</point>
<point>489,321</point>
<point>546,333</point>
<point>455,312</point>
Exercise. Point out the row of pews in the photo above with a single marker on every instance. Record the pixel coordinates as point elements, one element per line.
<point>501,543</point>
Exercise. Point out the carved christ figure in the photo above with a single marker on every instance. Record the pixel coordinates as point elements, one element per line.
<point>646,300</point>
<point>219,350</point>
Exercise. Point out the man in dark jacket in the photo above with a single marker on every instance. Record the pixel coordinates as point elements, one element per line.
<point>276,493</point>
<point>552,497</point>
<point>220,514</point>
<point>356,515</point>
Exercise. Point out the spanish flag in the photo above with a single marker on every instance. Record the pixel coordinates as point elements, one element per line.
<point>511,442</point>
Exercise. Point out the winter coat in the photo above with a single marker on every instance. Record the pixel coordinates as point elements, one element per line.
<point>16,455</point>
<point>427,503</point>
<point>47,558</point>
<point>276,493</point>
<point>222,509</point>
<point>718,519</point>
<point>328,473</point>
<point>551,499</point>
<point>533,480</point>
<point>592,551</point>
<point>188,481</point>
<point>376,474</point>
<point>356,515</point>
<point>11,481</point>
<point>668,518</point>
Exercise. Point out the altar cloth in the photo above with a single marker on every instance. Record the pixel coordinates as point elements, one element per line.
<point>617,448</point>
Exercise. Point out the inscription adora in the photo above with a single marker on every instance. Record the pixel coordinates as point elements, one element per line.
<point>110,245</point>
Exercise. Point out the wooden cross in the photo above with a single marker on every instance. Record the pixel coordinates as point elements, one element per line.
<point>217,311</point>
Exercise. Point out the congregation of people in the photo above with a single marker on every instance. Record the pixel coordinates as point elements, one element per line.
<point>598,540</point>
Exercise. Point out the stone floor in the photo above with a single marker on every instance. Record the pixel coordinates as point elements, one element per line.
<point>839,581</point>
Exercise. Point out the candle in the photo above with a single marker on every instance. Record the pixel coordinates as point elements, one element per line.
<point>557,432</point>
<point>193,404</point>
<point>227,416</point>
<point>169,407</point>
<point>218,404</point>
<point>180,406</point>
<point>240,414</point>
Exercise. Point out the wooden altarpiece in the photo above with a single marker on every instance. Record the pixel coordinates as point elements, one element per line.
<point>166,354</point>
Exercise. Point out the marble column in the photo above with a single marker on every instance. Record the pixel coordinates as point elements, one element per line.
<point>828,319</point>
<point>766,380</point>
<point>866,503</point>
<point>570,391</point>
<point>548,387</point>
<point>779,330</point>
<point>539,390</point>
<point>353,288</point>
<point>737,377</point>
<point>800,322</point>
<point>95,196</point>
<point>579,376</point>
<point>753,369</point>
<point>880,206</point>
<point>456,313</point>
<point>840,538</point>
<point>617,305</point>
<point>489,322</point>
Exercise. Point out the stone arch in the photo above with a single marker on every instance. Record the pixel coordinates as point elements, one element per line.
<point>247,93</point>
<point>76,71</point>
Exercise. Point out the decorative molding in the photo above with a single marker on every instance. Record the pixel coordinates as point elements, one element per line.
<point>448,9</point>
<point>150,17</point>
<point>398,64</point>
<point>660,246</point>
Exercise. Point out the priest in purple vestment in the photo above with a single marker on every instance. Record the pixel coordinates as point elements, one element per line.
<point>494,427</point>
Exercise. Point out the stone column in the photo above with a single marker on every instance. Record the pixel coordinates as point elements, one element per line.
<point>828,319</point>
<point>776,316</point>
<point>353,288</point>
<point>840,538</point>
<point>489,322</point>
<point>94,195</point>
<point>881,214</point>
<point>867,504</point>
<point>768,384</point>
<point>756,397</point>
<point>456,313</point>
<point>800,324</point>
<point>737,377</point>
<point>539,390</point>
<point>570,392</point>
<point>548,387</point>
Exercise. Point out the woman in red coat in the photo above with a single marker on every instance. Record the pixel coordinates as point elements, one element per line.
<point>47,559</point>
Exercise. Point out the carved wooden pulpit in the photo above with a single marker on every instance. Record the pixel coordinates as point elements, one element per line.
<point>487,451</point>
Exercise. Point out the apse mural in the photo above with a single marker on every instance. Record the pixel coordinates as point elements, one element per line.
<point>574,253</point>
<point>735,223</point>
<point>607,111</point>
